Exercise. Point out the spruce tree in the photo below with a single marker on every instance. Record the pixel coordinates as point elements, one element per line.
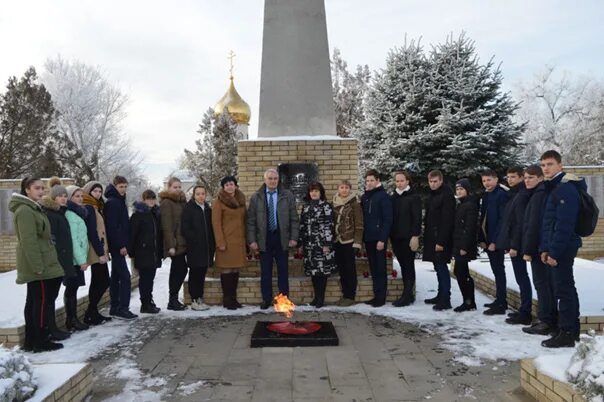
<point>27,132</point>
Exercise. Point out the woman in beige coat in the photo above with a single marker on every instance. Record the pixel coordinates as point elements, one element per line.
<point>228,221</point>
<point>171,205</point>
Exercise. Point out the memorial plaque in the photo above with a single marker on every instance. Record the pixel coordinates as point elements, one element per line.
<point>297,176</point>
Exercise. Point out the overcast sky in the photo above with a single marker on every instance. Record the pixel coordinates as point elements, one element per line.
<point>170,58</point>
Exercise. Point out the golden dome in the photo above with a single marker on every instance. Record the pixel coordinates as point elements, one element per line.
<point>237,107</point>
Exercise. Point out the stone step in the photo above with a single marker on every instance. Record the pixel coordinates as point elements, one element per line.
<point>300,290</point>
<point>295,268</point>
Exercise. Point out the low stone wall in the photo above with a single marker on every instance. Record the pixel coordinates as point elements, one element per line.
<point>16,335</point>
<point>76,389</point>
<point>543,387</point>
<point>295,268</point>
<point>300,290</point>
<point>487,285</point>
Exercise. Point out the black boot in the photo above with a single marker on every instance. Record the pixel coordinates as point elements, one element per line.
<point>564,339</point>
<point>433,300</point>
<point>407,298</point>
<point>467,292</point>
<point>540,328</point>
<point>321,288</point>
<point>227,292</point>
<point>71,315</point>
<point>235,281</point>
<point>444,303</point>
<point>313,279</point>
<point>149,307</point>
<point>54,332</point>
<point>175,304</point>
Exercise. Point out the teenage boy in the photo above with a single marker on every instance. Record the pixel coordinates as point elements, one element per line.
<point>560,243</point>
<point>510,240</point>
<point>438,236</point>
<point>491,217</point>
<point>547,311</point>
<point>377,221</point>
<point>118,231</point>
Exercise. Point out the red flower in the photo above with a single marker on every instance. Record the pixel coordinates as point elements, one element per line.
<point>394,274</point>
<point>365,274</point>
<point>389,254</point>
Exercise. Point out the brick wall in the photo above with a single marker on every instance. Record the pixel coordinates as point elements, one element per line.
<point>337,159</point>
<point>543,387</point>
<point>8,241</point>
<point>593,246</point>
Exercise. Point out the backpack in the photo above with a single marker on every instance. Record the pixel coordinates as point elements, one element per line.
<point>587,219</point>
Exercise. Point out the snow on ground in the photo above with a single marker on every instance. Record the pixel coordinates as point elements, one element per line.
<point>12,299</point>
<point>475,339</point>
<point>52,376</point>
<point>589,276</point>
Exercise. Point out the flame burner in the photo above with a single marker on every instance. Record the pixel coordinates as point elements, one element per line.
<point>290,334</point>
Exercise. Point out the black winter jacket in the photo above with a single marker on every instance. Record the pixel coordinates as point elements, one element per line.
<point>510,235</point>
<point>465,232</point>
<point>196,227</point>
<point>533,221</point>
<point>116,219</point>
<point>60,234</point>
<point>145,243</point>
<point>407,215</point>
<point>438,225</point>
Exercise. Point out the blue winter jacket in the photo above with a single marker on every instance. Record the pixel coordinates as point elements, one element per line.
<point>117,223</point>
<point>492,209</point>
<point>377,215</point>
<point>533,221</point>
<point>558,236</point>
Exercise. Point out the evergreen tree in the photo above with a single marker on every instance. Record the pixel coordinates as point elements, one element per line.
<point>215,155</point>
<point>442,111</point>
<point>396,110</point>
<point>27,133</point>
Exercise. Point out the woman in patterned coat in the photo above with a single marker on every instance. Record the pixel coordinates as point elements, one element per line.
<point>317,239</point>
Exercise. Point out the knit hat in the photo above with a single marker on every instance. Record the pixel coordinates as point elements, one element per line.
<point>71,190</point>
<point>56,188</point>
<point>228,179</point>
<point>465,184</point>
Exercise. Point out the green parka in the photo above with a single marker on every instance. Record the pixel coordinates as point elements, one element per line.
<point>36,255</point>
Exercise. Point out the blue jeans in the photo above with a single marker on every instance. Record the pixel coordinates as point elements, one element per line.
<point>524,283</point>
<point>566,294</point>
<point>544,285</point>
<point>377,266</point>
<point>444,280</point>
<point>120,287</point>
<point>274,251</point>
<point>498,267</point>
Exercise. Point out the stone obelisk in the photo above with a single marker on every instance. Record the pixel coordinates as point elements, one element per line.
<point>297,127</point>
<point>295,87</point>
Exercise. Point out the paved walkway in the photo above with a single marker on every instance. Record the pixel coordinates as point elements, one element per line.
<point>379,359</point>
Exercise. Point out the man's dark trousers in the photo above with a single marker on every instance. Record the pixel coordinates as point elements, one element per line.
<point>566,294</point>
<point>275,252</point>
<point>498,267</point>
<point>524,283</point>
<point>544,285</point>
<point>377,266</point>
<point>121,287</point>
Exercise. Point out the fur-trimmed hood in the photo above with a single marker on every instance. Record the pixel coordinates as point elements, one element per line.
<point>175,197</point>
<point>17,200</point>
<point>50,204</point>
<point>236,201</point>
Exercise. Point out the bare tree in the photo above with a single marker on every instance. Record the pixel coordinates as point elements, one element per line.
<point>349,90</point>
<point>561,112</point>
<point>91,112</point>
